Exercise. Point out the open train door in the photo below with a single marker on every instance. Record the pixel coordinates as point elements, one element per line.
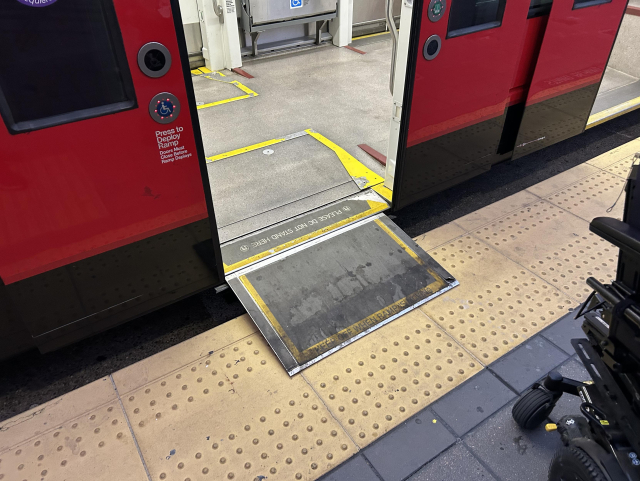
<point>451,100</point>
<point>575,51</point>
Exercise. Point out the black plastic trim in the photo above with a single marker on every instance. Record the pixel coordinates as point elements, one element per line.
<point>415,50</point>
<point>195,123</point>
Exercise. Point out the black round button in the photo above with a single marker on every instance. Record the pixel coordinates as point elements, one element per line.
<point>432,47</point>
<point>155,60</point>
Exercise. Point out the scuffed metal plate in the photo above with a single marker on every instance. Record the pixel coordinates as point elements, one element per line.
<point>316,298</point>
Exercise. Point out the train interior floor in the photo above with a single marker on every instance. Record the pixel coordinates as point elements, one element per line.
<point>421,396</point>
<point>245,122</point>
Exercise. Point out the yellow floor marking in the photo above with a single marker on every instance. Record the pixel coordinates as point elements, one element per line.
<point>386,193</point>
<point>80,436</point>
<point>221,102</point>
<point>371,35</point>
<point>248,92</point>
<point>374,207</point>
<point>613,112</point>
<point>243,150</point>
<point>235,414</point>
<point>354,167</point>
<point>204,70</point>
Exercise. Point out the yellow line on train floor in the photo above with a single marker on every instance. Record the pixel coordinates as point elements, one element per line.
<point>613,112</point>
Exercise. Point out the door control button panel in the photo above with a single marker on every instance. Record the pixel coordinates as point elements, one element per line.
<point>164,108</point>
<point>154,59</point>
<point>436,9</point>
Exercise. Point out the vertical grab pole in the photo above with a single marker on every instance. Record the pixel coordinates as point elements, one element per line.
<point>391,25</point>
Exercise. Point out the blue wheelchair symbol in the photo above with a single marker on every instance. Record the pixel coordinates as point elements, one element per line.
<point>296,3</point>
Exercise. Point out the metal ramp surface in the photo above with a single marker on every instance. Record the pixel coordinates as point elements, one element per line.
<point>324,289</point>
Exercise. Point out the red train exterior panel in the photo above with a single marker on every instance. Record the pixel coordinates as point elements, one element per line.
<point>76,190</point>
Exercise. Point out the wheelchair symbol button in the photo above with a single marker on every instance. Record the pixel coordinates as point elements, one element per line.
<point>296,3</point>
<point>164,108</point>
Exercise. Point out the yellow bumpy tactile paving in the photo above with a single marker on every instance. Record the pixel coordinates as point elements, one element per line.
<point>235,414</point>
<point>376,383</point>
<point>623,167</point>
<point>592,197</point>
<point>555,245</point>
<point>80,436</point>
<point>498,304</point>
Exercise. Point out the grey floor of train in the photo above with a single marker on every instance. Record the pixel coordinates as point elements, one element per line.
<point>33,379</point>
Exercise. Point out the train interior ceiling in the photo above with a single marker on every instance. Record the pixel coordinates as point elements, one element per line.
<point>310,128</point>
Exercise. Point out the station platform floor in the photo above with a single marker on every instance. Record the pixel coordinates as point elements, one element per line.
<point>421,395</point>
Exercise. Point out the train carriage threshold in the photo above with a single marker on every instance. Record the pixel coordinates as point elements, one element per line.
<point>325,277</point>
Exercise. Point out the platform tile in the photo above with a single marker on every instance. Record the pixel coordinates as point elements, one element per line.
<point>79,436</point>
<point>391,374</point>
<point>592,197</point>
<point>529,363</point>
<point>496,210</point>
<point>234,414</point>
<point>555,245</point>
<point>474,401</point>
<point>498,304</point>
<point>410,446</point>
<point>563,180</point>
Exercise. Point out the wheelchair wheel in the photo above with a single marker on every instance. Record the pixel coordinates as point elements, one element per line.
<point>573,464</point>
<point>532,408</point>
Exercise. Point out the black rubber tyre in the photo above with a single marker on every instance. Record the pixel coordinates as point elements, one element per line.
<point>573,464</point>
<point>532,408</point>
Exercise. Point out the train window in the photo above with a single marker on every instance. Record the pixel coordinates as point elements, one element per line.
<point>61,63</point>
<point>588,3</point>
<point>468,16</point>
<point>538,8</point>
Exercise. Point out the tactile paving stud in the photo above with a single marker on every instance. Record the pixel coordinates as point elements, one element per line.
<point>623,168</point>
<point>498,304</point>
<point>93,445</point>
<point>234,414</point>
<point>553,244</point>
<point>592,197</point>
<point>379,381</point>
